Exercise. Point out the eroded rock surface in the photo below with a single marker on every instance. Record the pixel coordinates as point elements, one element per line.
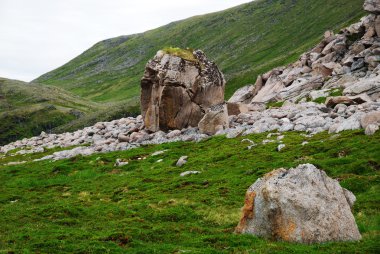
<point>175,92</point>
<point>301,204</point>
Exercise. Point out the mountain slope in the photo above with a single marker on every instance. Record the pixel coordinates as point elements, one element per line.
<point>26,109</point>
<point>244,41</point>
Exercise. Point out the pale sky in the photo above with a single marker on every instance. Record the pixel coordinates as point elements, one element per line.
<point>37,36</point>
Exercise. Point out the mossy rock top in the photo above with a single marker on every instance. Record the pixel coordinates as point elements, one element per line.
<point>186,54</point>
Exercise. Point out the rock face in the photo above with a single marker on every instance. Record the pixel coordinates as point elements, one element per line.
<point>299,205</point>
<point>372,6</point>
<point>175,92</point>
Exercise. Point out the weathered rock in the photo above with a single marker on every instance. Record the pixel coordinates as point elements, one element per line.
<point>372,118</point>
<point>371,129</point>
<point>175,92</point>
<point>299,205</point>
<point>242,95</point>
<point>372,6</point>
<point>370,86</point>
<point>186,173</point>
<point>215,119</point>
<point>236,108</point>
<point>331,102</point>
<point>123,138</point>
<point>182,161</point>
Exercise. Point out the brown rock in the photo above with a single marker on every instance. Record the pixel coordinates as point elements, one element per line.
<point>215,119</point>
<point>377,25</point>
<point>235,109</point>
<point>175,92</point>
<point>370,118</point>
<point>300,205</point>
<point>331,102</point>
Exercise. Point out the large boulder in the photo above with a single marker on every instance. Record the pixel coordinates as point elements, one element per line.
<point>299,205</point>
<point>372,6</point>
<point>177,88</point>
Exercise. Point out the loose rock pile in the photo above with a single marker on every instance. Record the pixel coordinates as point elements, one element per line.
<point>348,61</point>
<point>187,95</point>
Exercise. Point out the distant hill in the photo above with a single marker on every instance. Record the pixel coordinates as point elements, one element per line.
<point>244,41</point>
<point>26,109</point>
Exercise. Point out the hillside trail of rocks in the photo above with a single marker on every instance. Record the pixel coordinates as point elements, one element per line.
<point>343,70</point>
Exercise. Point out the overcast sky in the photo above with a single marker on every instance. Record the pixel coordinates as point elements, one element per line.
<point>37,36</point>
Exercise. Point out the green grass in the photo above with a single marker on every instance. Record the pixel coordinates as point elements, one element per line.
<point>26,109</point>
<point>186,54</point>
<point>244,41</point>
<point>86,205</point>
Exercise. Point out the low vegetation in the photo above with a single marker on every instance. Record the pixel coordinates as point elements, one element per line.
<point>87,205</point>
<point>244,41</point>
<point>186,54</point>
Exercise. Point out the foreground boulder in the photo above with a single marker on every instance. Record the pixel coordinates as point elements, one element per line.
<point>177,88</point>
<point>299,205</point>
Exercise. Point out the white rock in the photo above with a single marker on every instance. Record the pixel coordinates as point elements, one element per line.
<point>182,161</point>
<point>186,173</point>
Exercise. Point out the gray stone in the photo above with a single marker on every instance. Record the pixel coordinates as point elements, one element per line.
<point>372,6</point>
<point>371,129</point>
<point>301,205</point>
<point>186,173</point>
<point>182,161</point>
<point>215,119</point>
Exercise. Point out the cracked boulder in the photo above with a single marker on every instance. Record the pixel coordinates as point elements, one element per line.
<point>177,88</point>
<point>302,205</point>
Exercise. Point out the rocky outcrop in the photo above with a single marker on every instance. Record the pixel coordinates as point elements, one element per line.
<point>301,204</point>
<point>372,6</point>
<point>176,91</point>
<point>348,61</point>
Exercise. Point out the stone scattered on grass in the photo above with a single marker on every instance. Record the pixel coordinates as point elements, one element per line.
<point>120,163</point>
<point>182,161</point>
<point>280,147</point>
<point>159,152</point>
<point>186,173</point>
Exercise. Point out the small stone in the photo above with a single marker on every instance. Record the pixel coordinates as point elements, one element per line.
<point>280,147</point>
<point>182,161</point>
<point>158,152</point>
<point>120,163</point>
<point>186,173</point>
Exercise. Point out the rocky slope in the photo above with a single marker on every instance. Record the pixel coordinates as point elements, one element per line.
<point>244,41</point>
<point>348,61</point>
<point>359,109</point>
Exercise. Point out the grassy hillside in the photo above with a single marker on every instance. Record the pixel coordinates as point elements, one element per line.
<point>244,41</point>
<point>86,205</point>
<point>26,109</point>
